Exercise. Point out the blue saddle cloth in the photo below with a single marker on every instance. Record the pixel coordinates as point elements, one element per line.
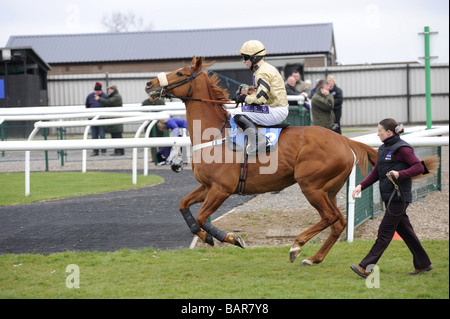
<point>237,137</point>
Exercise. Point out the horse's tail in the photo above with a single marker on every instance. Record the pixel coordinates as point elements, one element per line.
<point>365,155</point>
<point>431,163</point>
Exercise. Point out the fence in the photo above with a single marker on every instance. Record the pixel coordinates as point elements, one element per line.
<point>134,113</point>
<point>417,136</point>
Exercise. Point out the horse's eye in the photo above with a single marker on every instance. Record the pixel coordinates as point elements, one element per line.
<point>179,74</point>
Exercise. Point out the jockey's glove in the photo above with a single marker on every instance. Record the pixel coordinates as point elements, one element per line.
<point>239,98</point>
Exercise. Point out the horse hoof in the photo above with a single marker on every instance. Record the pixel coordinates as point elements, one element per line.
<point>238,241</point>
<point>293,253</point>
<point>209,239</point>
<point>307,262</point>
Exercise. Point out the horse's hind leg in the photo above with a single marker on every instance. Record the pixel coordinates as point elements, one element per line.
<point>330,216</point>
<point>336,229</point>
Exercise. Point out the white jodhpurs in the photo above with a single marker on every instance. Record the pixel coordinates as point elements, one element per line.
<point>275,116</point>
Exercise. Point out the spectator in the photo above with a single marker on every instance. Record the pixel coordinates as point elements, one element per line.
<point>338,100</point>
<point>157,132</point>
<point>291,89</point>
<point>313,91</point>
<point>158,101</point>
<point>301,86</point>
<point>92,102</point>
<point>291,86</point>
<point>166,155</point>
<point>113,99</point>
<point>322,106</point>
<point>308,85</point>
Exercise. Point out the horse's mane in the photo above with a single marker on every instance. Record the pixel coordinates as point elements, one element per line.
<point>217,92</point>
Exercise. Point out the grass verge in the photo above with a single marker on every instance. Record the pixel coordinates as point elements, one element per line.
<point>223,273</point>
<point>56,185</point>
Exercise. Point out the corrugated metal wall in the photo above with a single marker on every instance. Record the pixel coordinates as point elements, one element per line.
<point>371,93</point>
<point>73,89</point>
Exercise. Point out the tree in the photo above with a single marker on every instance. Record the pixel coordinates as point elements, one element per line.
<point>119,22</point>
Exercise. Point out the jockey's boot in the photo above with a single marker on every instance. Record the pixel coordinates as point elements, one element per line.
<point>257,140</point>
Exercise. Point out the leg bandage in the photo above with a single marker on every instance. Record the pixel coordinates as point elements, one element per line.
<point>190,221</point>
<point>214,231</point>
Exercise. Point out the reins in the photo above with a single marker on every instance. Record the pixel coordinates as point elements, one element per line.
<point>397,190</point>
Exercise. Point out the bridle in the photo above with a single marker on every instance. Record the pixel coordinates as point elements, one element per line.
<point>166,87</point>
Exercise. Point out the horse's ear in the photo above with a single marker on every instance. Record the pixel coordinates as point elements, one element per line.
<point>197,63</point>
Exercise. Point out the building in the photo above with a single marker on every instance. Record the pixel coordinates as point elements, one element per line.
<point>308,45</point>
<point>23,83</point>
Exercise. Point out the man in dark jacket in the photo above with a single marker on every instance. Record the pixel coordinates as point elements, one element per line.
<point>92,102</point>
<point>114,99</point>
<point>291,89</point>
<point>338,100</point>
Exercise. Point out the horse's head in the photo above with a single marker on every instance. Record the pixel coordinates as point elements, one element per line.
<point>177,83</point>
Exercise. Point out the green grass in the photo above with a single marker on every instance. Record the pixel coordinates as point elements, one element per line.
<point>225,273</point>
<point>56,185</point>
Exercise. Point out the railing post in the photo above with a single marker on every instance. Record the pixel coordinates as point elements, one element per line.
<point>351,206</point>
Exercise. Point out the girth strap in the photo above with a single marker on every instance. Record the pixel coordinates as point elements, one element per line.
<point>243,173</point>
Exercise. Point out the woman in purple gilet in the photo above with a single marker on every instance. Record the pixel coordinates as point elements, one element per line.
<point>396,162</point>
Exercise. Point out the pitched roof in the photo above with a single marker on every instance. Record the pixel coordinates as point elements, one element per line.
<point>162,45</point>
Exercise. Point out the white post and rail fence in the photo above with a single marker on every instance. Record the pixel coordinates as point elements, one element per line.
<point>148,115</point>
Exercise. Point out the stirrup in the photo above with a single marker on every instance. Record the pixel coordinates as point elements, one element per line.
<point>254,149</point>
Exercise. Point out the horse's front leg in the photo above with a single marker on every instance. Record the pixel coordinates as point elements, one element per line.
<point>197,196</point>
<point>214,199</point>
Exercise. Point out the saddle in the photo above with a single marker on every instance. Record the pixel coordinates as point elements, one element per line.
<point>237,139</point>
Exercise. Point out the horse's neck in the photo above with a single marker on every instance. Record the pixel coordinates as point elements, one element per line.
<point>204,121</point>
<point>203,117</point>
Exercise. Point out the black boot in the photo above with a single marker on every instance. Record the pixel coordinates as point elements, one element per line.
<point>118,152</point>
<point>257,141</point>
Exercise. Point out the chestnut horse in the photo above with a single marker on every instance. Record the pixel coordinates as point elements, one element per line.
<point>318,159</point>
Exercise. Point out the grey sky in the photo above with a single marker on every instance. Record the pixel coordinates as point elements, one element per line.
<point>365,31</point>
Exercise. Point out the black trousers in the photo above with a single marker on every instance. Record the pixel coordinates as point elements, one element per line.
<point>395,219</point>
<point>118,150</point>
<point>337,119</point>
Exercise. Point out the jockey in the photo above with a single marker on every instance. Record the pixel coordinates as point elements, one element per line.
<point>269,106</point>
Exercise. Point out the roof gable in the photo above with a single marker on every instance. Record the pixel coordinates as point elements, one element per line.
<point>162,45</point>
